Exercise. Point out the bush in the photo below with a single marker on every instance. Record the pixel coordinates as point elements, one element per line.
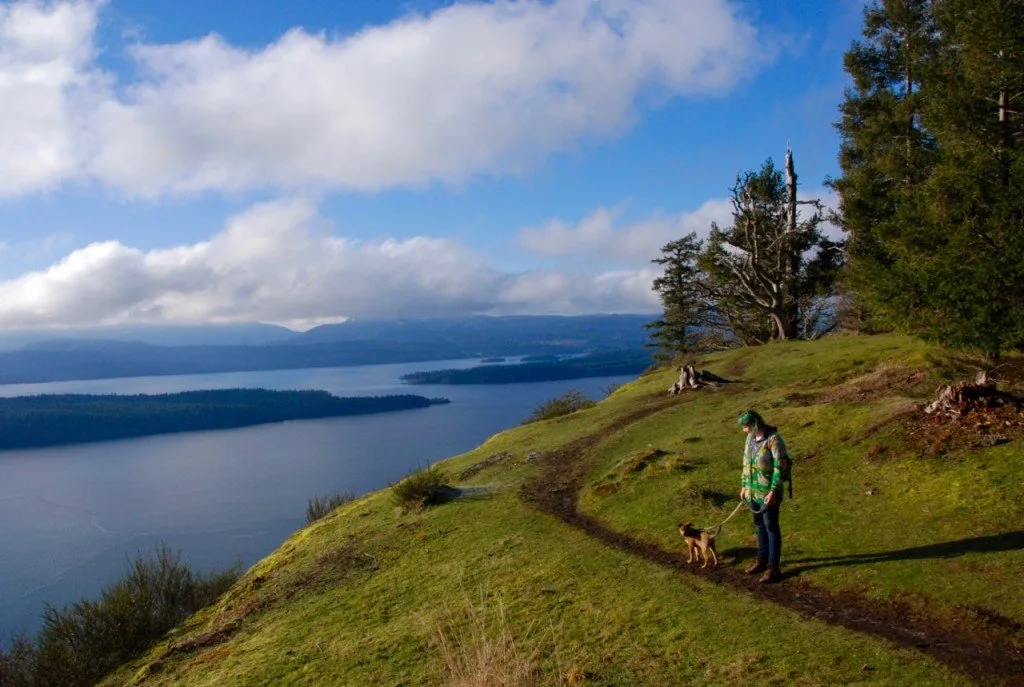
<point>421,488</point>
<point>570,402</point>
<point>84,641</point>
<point>319,506</point>
<point>610,389</point>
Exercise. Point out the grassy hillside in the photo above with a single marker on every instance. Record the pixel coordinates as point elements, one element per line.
<point>903,549</point>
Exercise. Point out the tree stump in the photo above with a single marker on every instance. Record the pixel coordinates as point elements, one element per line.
<point>955,400</point>
<point>690,378</point>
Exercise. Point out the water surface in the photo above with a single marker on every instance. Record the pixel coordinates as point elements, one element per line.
<point>70,516</point>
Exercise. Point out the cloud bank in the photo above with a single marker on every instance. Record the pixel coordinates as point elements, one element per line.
<point>474,88</point>
<point>600,235</point>
<point>275,262</point>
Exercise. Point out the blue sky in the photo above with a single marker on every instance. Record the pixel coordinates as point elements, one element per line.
<point>302,162</point>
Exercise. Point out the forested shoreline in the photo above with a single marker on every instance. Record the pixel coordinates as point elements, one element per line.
<point>608,364</point>
<point>57,419</point>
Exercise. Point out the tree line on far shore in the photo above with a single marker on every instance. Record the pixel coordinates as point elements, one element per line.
<point>931,202</point>
<point>54,419</point>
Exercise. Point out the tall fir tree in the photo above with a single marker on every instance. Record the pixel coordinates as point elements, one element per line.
<point>684,306</point>
<point>885,153</point>
<point>973,266</point>
<point>932,191</point>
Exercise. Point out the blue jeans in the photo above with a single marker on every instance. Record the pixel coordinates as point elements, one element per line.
<point>769,535</point>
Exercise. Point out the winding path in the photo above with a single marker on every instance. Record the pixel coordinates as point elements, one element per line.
<point>987,647</point>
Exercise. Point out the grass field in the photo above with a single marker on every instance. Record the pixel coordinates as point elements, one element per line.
<point>889,512</point>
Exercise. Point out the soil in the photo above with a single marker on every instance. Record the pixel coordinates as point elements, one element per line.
<point>985,646</point>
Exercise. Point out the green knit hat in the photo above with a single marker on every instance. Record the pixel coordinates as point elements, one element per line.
<point>751,418</point>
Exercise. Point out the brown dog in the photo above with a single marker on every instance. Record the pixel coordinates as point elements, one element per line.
<point>701,541</point>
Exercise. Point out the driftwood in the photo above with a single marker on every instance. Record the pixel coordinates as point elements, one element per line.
<point>954,400</point>
<point>689,378</point>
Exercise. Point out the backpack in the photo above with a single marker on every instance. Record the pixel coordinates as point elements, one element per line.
<point>786,470</point>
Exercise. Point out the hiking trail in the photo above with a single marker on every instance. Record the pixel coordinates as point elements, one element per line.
<point>986,646</point>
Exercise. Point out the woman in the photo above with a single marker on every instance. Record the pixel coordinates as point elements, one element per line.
<point>764,457</point>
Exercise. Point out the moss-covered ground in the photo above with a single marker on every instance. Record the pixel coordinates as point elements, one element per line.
<point>489,587</point>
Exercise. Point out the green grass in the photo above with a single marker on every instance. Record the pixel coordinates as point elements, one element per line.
<point>370,594</point>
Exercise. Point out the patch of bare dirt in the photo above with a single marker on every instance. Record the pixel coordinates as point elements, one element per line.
<point>483,465</point>
<point>985,645</point>
<point>938,436</point>
<point>884,381</point>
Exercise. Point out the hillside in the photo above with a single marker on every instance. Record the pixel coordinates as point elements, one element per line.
<point>561,563</point>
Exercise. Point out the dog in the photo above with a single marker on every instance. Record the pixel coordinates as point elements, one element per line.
<point>700,541</point>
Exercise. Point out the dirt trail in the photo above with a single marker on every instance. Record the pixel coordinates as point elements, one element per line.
<point>987,647</point>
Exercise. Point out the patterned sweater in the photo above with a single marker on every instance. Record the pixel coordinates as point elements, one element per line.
<point>761,467</point>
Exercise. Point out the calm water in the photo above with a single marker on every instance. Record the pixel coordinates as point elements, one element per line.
<point>71,516</point>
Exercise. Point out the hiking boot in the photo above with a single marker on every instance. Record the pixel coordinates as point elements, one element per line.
<point>758,566</point>
<point>772,574</point>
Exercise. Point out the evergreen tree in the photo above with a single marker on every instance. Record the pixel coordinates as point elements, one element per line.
<point>885,152</point>
<point>972,266</point>
<point>932,192</point>
<point>684,305</point>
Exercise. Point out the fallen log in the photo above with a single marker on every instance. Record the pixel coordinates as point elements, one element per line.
<point>690,378</point>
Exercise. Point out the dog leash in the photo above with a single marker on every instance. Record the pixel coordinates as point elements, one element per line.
<point>718,527</point>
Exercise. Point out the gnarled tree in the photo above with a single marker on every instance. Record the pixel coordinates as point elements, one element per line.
<point>773,271</point>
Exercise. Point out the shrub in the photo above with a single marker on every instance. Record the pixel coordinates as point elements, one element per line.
<point>84,641</point>
<point>570,402</point>
<point>610,389</point>
<point>319,506</point>
<point>421,488</point>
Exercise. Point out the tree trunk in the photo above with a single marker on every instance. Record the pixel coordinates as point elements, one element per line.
<point>1005,139</point>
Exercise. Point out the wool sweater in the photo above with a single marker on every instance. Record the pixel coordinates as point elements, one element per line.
<point>762,470</point>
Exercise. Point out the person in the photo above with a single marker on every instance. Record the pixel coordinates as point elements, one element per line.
<point>761,486</point>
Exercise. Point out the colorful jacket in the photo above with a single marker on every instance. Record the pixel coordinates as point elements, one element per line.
<point>761,468</point>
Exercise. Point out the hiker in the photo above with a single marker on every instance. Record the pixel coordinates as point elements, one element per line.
<point>764,460</point>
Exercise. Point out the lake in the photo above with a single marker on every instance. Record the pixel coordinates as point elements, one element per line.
<point>71,516</point>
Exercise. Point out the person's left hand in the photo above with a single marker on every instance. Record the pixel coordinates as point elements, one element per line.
<point>770,498</point>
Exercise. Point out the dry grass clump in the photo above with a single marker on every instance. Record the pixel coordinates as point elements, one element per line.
<point>481,651</point>
<point>320,506</point>
<point>422,488</point>
<point>559,406</point>
<point>646,463</point>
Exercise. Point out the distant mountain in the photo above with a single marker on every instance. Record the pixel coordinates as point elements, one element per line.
<point>54,361</point>
<point>249,334</point>
<point>496,336</point>
<point>353,343</point>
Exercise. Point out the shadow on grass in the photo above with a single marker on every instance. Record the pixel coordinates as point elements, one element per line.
<point>477,492</point>
<point>1007,541</point>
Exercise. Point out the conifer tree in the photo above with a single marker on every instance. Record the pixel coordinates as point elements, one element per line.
<point>973,262</point>
<point>684,306</point>
<point>885,152</point>
<point>932,191</point>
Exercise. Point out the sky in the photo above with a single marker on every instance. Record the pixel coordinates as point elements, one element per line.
<point>300,162</point>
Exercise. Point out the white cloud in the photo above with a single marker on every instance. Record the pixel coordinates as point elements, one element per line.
<point>474,88</point>
<point>276,263</point>
<point>602,236</point>
<point>598,236</point>
<point>47,88</point>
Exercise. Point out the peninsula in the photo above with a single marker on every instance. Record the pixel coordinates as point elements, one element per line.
<point>55,419</point>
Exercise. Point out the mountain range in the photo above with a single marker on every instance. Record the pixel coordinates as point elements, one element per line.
<point>141,351</point>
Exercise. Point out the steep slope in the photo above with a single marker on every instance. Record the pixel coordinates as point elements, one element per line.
<point>561,565</point>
